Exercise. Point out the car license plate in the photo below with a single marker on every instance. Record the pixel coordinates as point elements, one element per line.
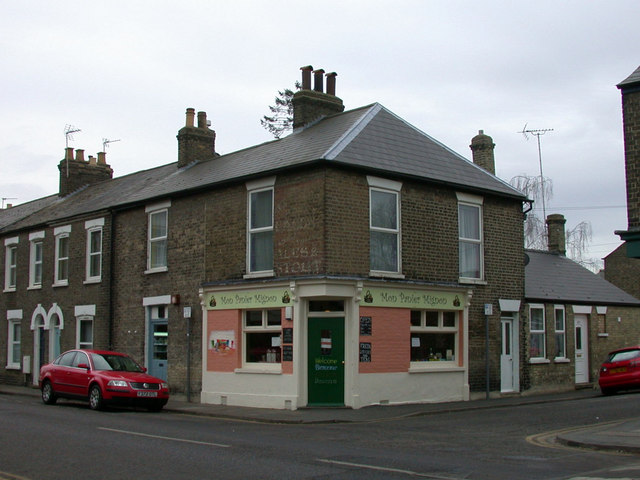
<point>619,370</point>
<point>147,394</point>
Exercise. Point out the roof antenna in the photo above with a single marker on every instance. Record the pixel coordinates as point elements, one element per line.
<point>7,198</point>
<point>69,130</point>
<point>538,134</point>
<point>106,142</point>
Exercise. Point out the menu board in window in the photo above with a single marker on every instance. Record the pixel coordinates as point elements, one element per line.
<point>365,325</point>
<point>365,352</point>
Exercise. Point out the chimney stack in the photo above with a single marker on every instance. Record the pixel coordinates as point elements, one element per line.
<point>76,173</point>
<point>310,105</point>
<point>482,150</point>
<point>195,143</point>
<point>556,235</point>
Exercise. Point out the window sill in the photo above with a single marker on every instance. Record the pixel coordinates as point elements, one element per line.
<point>265,274</point>
<point>89,281</point>
<point>539,360</point>
<point>273,369</point>
<point>561,360</point>
<point>60,284</point>
<point>13,367</point>
<point>156,270</point>
<point>430,367</point>
<point>34,287</point>
<point>8,290</point>
<point>472,281</point>
<point>600,335</point>
<point>379,274</point>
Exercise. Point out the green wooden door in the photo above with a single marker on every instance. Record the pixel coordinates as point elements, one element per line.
<point>326,362</point>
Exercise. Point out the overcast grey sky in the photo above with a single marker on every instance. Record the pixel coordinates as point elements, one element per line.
<point>127,70</point>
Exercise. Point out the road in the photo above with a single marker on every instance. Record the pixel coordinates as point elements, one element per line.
<point>69,441</point>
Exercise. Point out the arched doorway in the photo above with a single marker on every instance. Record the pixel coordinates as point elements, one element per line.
<point>55,325</point>
<point>40,341</point>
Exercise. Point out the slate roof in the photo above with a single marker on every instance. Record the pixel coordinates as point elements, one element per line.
<point>631,79</point>
<point>370,138</point>
<point>550,277</point>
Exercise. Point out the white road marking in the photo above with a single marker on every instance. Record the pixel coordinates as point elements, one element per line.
<point>172,439</point>
<point>385,469</point>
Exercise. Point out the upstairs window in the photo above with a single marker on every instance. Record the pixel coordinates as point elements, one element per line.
<point>36,240</point>
<point>260,227</point>
<point>62,255</point>
<point>157,239</point>
<point>94,250</point>
<point>384,226</point>
<point>470,247</point>
<point>10,264</point>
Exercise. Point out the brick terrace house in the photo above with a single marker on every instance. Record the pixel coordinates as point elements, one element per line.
<point>356,261</point>
<point>575,317</point>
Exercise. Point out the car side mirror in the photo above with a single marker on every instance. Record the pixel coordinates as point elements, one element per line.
<point>83,365</point>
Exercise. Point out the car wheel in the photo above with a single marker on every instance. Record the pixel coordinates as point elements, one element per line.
<point>48,395</point>
<point>608,391</point>
<point>95,398</point>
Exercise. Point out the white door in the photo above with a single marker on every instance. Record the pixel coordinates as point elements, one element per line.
<point>506,356</point>
<point>582,349</point>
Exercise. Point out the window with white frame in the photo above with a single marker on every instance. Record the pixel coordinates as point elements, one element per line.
<point>537,344</point>
<point>10,264</point>
<point>157,239</point>
<point>36,241</point>
<point>262,333</point>
<point>84,331</point>
<point>470,236</point>
<point>260,226</point>
<point>14,352</point>
<point>94,250</point>
<point>384,226</point>
<point>61,264</point>
<point>560,327</point>
<point>434,335</point>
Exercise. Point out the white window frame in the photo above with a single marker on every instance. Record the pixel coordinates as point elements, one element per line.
<point>268,366</point>
<point>152,211</point>
<point>474,201</point>
<point>81,321</point>
<point>11,264</point>
<point>93,227</point>
<point>440,328</point>
<point>542,356</point>
<point>62,259</point>
<point>560,332</point>
<point>255,187</point>
<point>14,318</point>
<point>36,243</point>
<point>383,185</point>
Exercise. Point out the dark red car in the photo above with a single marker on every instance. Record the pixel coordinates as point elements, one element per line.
<point>620,371</point>
<point>101,377</point>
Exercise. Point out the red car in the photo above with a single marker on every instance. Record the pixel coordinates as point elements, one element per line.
<point>101,377</point>
<point>620,371</point>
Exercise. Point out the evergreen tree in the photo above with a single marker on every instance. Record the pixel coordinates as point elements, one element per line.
<point>280,121</point>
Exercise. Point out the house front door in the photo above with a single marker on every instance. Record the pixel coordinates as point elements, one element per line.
<point>325,362</point>
<point>582,349</point>
<point>158,345</point>
<point>506,356</point>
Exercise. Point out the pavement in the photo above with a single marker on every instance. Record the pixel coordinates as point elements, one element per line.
<point>619,436</point>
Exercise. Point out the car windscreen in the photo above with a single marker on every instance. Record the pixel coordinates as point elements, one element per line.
<point>119,363</point>
<point>623,356</point>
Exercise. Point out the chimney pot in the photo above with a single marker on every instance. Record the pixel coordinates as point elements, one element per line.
<point>306,77</point>
<point>68,154</point>
<point>79,155</point>
<point>102,160</point>
<point>92,160</point>
<point>331,83</point>
<point>318,80</point>
<point>202,120</point>
<point>191,113</point>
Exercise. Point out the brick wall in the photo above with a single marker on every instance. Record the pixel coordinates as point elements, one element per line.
<point>623,271</point>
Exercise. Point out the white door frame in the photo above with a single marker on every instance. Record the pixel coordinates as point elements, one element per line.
<point>509,353</point>
<point>581,337</point>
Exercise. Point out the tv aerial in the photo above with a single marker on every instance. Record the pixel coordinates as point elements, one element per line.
<point>69,130</point>
<point>538,133</point>
<point>106,142</point>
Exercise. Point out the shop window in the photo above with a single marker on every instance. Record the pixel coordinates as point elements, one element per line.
<point>262,336</point>
<point>537,344</point>
<point>434,336</point>
<point>561,337</point>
